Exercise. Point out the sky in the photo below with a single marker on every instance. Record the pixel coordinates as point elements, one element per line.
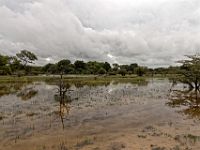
<point>154,33</point>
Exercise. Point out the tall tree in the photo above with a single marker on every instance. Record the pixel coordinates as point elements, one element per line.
<point>80,66</point>
<point>64,66</point>
<point>132,67</point>
<point>26,57</point>
<point>4,65</point>
<point>190,71</point>
<point>140,71</point>
<point>14,64</point>
<point>106,66</point>
<point>115,67</point>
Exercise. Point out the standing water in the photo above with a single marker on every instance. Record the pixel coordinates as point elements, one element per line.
<point>114,115</point>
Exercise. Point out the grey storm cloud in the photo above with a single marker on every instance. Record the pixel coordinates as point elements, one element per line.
<point>149,32</point>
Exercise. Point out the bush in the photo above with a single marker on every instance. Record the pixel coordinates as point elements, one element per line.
<point>5,70</point>
<point>102,71</point>
<point>140,71</point>
<point>112,73</point>
<point>123,72</point>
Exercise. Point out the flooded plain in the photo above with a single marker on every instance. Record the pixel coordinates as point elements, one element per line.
<point>144,115</point>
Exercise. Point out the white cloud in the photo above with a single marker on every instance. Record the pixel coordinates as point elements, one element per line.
<point>150,32</point>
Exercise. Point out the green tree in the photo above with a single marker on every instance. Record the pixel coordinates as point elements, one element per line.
<point>102,71</point>
<point>140,71</point>
<point>94,66</point>
<point>52,68</point>
<point>3,60</point>
<point>106,66</point>
<point>124,67</point>
<point>123,72</point>
<point>132,67</point>
<point>14,64</point>
<point>4,65</point>
<point>80,66</point>
<point>26,57</point>
<point>64,66</point>
<point>190,71</point>
<point>46,67</point>
<point>115,67</point>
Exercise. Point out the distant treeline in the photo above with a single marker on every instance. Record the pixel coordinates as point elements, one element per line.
<point>20,65</point>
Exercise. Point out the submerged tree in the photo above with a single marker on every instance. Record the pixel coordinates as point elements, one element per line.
<point>190,71</point>
<point>63,98</point>
<point>189,74</point>
<point>187,101</point>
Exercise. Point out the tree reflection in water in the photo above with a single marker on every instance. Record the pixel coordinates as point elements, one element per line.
<point>63,99</point>
<point>188,100</point>
<point>10,88</point>
<point>27,93</point>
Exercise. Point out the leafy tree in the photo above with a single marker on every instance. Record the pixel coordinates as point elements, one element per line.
<point>161,70</point>
<point>115,67</point>
<point>189,74</point>
<point>14,64</point>
<point>52,68</point>
<point>123,72</point>
<point>106,66</point>
<point>3,60</point>
<point>124,67</point>
<point>26,57</point>
<point>80,66</point>
<point>173,69</point>
<point>94,66</point>
<point>46,67</point>
<point>63,66</point>
<point>5,70</point>
<point>140,71</point>
<point>132,67</point>
<point>4,65</point>
<point>102,71</point>
<point>190,71</point>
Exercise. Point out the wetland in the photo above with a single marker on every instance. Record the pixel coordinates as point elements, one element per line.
<point>98,113</point>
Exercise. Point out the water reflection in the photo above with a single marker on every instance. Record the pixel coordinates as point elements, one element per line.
<point>63,99</point>
<point>187,100</point>
<point>10,88</point>
<point>42,97</point>
<point>50,104</point>
<point>90,93</point>
<point>27,93</point>
<point>22,90</point>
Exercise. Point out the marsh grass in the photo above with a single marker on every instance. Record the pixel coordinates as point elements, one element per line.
<point>5,79</point>
<point>78,81</point>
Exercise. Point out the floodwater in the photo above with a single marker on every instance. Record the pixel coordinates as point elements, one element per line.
<point>112,116</point>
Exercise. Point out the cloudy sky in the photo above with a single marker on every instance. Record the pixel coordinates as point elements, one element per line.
<point>149,32</point>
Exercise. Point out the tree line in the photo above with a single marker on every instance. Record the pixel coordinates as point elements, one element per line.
<point>20,64</point>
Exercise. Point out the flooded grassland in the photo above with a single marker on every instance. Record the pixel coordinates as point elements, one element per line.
<point>98,114</point>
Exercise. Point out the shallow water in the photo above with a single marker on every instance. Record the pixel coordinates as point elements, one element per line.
<point>110,116</point>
